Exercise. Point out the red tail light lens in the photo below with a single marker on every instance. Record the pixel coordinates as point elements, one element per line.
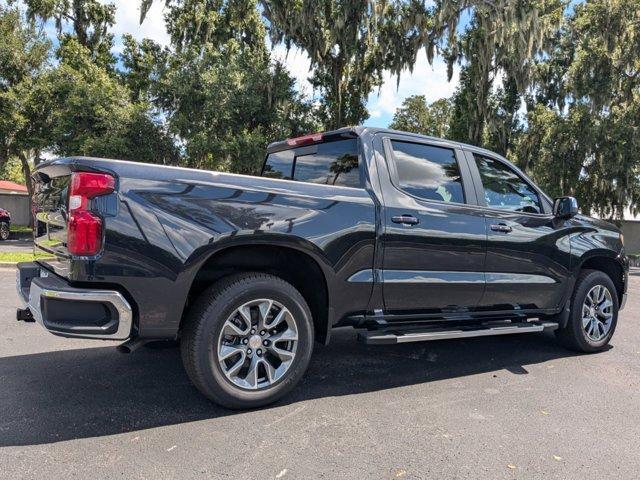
<point>305,139</point>
<point>84,233</point>
<point>84,228</point>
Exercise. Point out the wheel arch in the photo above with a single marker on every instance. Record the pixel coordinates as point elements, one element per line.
<point>608,263</point>
<point>289,259</point>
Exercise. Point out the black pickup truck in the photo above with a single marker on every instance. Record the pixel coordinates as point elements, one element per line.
<point>405,237</point>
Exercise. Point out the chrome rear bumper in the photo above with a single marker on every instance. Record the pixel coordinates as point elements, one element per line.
<point>73,312</point>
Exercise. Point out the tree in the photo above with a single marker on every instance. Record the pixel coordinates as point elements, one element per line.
<point>584,133</point>
<point>350,44</point>
<point>500,42</point>
<point>77,107</point>
<point>90,21</point>
<point>227,104</point>
<point>217,87</point>
<point>416,115</point>
<point>91,113</point>
<point>23,56</point>
<point>212,22</point>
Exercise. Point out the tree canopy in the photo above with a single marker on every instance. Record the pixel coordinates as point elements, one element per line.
<point>417,116</point>
<point>564,105</point>
<point>554,85</point>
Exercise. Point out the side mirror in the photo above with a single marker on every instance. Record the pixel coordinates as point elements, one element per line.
<point>565,207</point>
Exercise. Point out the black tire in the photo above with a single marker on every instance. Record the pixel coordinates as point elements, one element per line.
<point>5,230</point>
<point>205,320</point>
<point>573,335</point>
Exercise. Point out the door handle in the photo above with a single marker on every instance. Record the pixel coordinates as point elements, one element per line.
<point>405,219</point>
<point>501,227</point>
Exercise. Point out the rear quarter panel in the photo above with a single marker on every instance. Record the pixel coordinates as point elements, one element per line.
<point>165,229</point>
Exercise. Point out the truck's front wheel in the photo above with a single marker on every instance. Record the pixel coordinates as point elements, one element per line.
<point>594,313</point>
<point>247,341</point>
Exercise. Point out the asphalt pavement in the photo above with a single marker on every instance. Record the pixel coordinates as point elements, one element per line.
<point>17,244</point>
<point>504,407</point>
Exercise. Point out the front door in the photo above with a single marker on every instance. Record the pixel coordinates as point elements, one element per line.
<point>527,263</point>
<point>434,236</point>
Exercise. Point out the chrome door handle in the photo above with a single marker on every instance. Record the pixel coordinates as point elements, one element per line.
<point>501,227</point>
<point>405,219</point>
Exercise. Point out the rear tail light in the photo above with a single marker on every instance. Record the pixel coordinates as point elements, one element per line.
<point>84,228</point>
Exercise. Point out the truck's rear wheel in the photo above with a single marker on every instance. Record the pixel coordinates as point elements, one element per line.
<point>247,341</point>
<point>594,313</point>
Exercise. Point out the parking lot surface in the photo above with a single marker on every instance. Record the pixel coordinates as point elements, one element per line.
<point>504,407</point>
<point>17,245</point>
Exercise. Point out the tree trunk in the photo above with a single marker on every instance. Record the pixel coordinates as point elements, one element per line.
<point>26,171</point>
<point>338,108</point>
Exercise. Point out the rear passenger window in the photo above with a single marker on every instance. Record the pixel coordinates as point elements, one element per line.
<point>328,163</point>
<point>428,172</point>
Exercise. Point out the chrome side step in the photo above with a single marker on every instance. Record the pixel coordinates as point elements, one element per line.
<point>390,336</point>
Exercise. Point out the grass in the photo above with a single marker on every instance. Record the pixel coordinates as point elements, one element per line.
<point>20,229</point>
<point>15,257</point>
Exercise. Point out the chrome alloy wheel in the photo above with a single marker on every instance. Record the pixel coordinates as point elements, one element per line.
<point>597,313</point>
<point>257,344</point>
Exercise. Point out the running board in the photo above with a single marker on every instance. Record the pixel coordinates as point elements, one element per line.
<point>400,335</point>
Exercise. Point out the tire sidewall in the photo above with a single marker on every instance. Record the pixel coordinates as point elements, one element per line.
<point>214,380</point>
<point>591,280</point>
<point>4,234</point>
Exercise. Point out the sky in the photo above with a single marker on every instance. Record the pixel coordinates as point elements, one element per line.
<point>427,80</point>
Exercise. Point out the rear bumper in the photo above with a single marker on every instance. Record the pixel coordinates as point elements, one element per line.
<point>73,312</point>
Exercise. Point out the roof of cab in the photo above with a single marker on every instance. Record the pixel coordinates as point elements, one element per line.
<point>363,129</point>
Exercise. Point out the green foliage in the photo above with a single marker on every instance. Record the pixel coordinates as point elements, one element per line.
<point>584,132</point>
<point>85,110</point>
<point>500,43</point>
<point>227,104</point>
<point>23,50</point>
<point>350,44</point>
<point>89,19</point>
<point>581,131</point>
<point>417,116</point>
<point>217,86</point>
<point>12,171</point>
<point>214,22</point>
<point>214,98</point>
<point>23,55</point>
<point>141,62</point>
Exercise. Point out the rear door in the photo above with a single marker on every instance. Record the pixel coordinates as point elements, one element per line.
<point>527,248</point>
<point>434,233</point>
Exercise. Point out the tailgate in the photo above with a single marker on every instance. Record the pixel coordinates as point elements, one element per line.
<point>50,207</point>
<point>70,200</point>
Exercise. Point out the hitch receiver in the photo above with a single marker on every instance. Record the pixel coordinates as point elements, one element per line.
<point>24,315</point>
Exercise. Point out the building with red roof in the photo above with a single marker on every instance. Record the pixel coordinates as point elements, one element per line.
<point>12,187</point>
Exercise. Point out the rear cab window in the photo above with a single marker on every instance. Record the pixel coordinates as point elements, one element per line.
<point>334,162</point>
